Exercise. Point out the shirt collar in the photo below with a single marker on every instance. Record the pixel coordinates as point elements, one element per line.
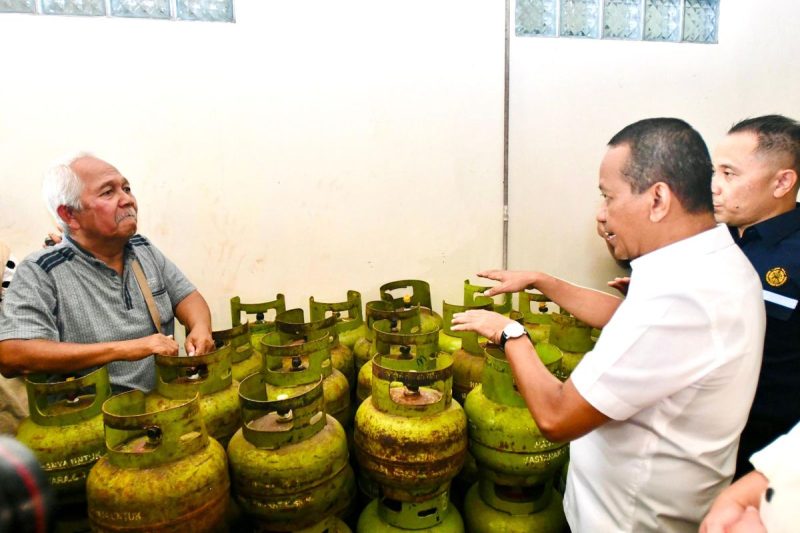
<point>683,250</point>
<point>775,229</point>
<point>70,242</point>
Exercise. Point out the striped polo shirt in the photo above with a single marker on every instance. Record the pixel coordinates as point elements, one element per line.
<point>64,293</point>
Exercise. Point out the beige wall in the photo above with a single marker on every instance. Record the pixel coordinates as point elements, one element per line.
<point>314,147</point>
<point>310,148</point>
<point>569,96</point>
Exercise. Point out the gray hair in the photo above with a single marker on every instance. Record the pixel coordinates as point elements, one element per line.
<point>62,186</point>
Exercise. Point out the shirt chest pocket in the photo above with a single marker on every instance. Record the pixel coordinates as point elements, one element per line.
<point>161,297</point>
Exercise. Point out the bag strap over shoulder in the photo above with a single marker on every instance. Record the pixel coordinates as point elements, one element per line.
<point>148,295</point>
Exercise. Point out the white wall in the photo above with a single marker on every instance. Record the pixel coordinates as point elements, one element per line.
<point>570,96</point>
<point>313,147</point>
<point>310,148</point>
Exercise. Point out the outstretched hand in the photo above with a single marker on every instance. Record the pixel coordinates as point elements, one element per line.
<point>510,281</point>
<point>485,323</point>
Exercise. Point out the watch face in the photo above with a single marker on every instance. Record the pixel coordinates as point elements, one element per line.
<point>514,330</point>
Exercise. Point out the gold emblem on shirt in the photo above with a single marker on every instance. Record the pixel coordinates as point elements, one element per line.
<point>777,276</point>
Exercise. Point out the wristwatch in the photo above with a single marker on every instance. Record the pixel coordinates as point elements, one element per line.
<point>513,330</point>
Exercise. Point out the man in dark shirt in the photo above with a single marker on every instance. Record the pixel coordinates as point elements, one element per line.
<point>754,190</point>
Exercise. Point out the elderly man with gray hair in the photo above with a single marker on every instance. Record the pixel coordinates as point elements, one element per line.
<point>104,295</point>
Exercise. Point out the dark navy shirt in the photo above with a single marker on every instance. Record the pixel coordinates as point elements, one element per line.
<point>773,246</point>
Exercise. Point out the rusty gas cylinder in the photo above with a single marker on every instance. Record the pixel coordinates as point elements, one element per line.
<point>410,437</point>
<point>474,297</point>
<point>294,364</point>
<point>350,323</point>
<point>263,314</point>
<point>289,462</point>
<point>414,292</point>
<point>65,433</point>
<point>516,463</point>
<point>469,357</point>
<point>537,323</point>
<point>180,378</point>
<point>483,518</point>
<point>435,515</point>
<point>293,326</point>
<point>245,360</point>
<point>573,337</point>
<point>407,319</point>
<point>162,472</point>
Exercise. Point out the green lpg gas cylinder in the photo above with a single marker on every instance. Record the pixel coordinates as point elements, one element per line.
<point>473,299</point>
<point>65,432</point>
<point>293,366</point>
<point>516,463</point>
<point>332,524</point>
<point>469,356</point>
<point>161,473</point>
<point>293,326</point>
<point>537,323</point>
<point>573,337</point>
<point>245,360</point>
<point>179,379</point>
<point>435,516</point>
<point>473,296</point>
<point>350,326</point>
<point>407,319</point>
<point>483,518</point>
<point>414,292</point>
<point>410,437</point>
<point>364,349</point>
<point>289,462</point>
<point>261,312</point>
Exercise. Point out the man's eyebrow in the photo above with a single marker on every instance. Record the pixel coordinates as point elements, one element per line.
<point>111,181</point>
<point>731,166</point>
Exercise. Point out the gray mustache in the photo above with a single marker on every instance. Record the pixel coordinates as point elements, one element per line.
<point>130,213</point>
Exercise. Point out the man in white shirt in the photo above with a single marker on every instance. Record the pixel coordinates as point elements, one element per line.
<point>655,410</point>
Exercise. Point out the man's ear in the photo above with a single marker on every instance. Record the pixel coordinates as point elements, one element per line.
<point>67,214</point>
<point>785,183</point>
<point>660,201</point>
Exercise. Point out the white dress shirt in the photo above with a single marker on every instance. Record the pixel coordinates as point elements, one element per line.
<point>675,369</point>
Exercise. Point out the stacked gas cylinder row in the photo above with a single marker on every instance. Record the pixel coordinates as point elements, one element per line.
<point>194,405</point>
<point>289,461</point>
<point>153,462</point>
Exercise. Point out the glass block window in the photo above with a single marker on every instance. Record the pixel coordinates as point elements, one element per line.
<point>662,20</point>
<point>203,10</point>
<point>536,17</point>
<point>154,9</point>
<point>74,7</point>
<point>622,19</point>
<point>700,21</point>
<point>220,10</point>
<point>580,18</point>
<point>694,21</point>
<point>17,6</point>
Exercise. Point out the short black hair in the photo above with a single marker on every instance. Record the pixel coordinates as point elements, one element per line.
<point>776,134</point>
<point>671,151</point>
